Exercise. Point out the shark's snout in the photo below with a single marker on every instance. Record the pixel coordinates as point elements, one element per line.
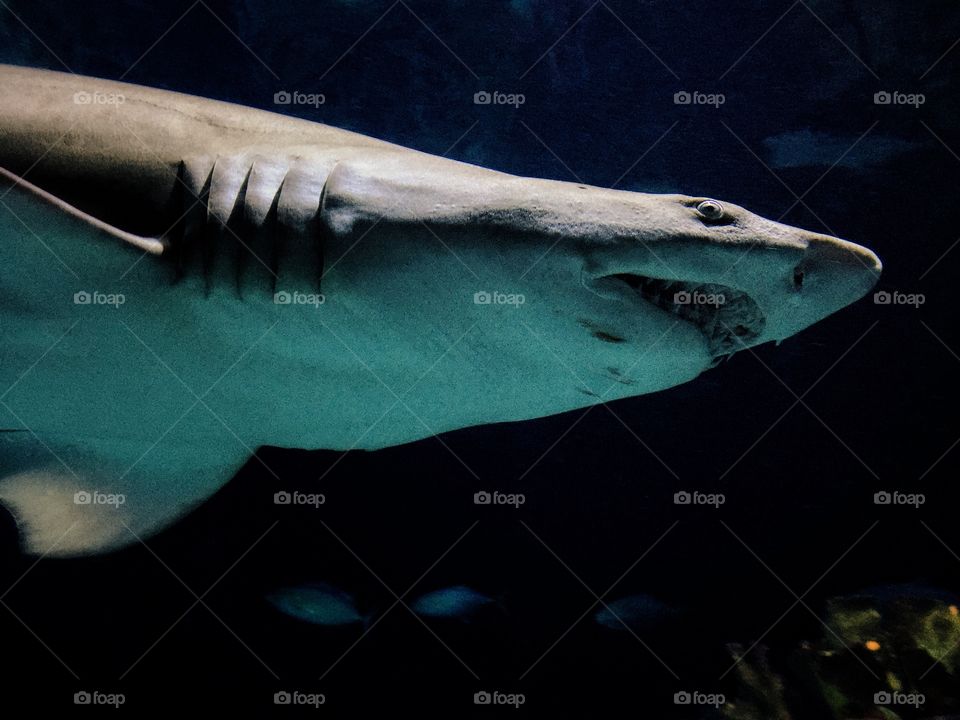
<point>838,263</point>
<point>831,274</point>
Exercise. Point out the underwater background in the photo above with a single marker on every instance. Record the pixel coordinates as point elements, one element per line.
<point>839,117</point>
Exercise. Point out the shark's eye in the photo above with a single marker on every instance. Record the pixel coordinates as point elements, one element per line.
<point>710,210</point>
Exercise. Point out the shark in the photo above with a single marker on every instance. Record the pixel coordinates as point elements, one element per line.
<point>186,280</point>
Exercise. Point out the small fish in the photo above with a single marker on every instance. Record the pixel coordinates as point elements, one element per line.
<point>458,602</point>
<point>317,603</point>
<point>636,612</point>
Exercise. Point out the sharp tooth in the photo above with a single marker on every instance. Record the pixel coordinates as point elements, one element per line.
<point>713,325</point>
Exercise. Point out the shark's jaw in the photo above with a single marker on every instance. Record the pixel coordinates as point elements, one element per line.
<point>728,318</point>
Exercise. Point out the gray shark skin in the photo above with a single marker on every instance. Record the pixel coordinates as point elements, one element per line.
<point>184,280</point>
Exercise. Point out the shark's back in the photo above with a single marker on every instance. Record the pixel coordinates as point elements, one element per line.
<point>126,142</point>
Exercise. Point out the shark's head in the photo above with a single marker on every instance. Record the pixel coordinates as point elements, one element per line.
<point>643,291</point>
<point>734,278</point>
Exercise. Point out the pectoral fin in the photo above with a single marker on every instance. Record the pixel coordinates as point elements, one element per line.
<point>81,496</point>
<point>19,185</point>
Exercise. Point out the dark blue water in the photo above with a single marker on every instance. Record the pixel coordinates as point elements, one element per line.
<point>798,121</point>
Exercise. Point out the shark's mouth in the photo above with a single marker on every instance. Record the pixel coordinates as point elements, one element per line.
<point>729,318</point>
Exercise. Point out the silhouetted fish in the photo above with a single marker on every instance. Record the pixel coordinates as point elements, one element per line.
<point>458,602</point>
<point>635,611</point>
<point>317,603</point>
